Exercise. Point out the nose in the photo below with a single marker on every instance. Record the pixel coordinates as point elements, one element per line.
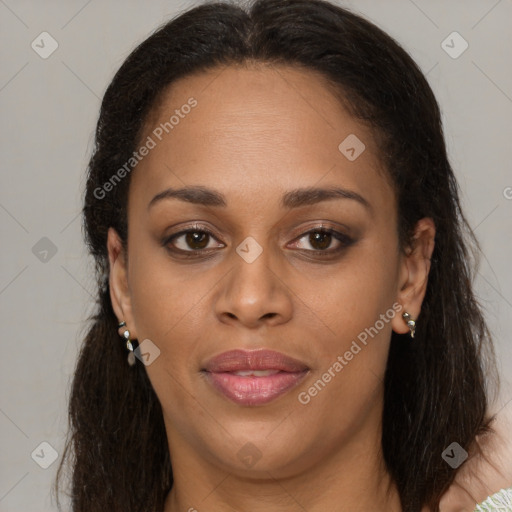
<point>254,294</point>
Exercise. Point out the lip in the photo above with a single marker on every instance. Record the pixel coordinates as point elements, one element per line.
<point>261,359</point>
<point>254,390</point>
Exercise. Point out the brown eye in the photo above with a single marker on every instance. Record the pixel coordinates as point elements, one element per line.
<point>196,239</point>
<point>191,240</point>
<point>320,242</point>
<point>320,239</point>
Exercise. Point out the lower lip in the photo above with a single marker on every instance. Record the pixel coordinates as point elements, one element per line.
<point>254,390</point>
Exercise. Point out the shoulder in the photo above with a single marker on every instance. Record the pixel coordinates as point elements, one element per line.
<point>487,470</point>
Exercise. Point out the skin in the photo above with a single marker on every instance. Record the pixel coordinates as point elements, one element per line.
<point>257,133</point>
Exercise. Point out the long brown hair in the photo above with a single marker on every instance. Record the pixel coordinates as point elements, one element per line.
<point>435,391</point>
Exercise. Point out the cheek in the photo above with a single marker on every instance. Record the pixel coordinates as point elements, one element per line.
<point>166,305</point>
<point>160,290</point>
<point>354,295</point>
<point>355,309</point>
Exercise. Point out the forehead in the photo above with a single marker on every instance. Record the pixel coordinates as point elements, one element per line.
<point>257,129</point>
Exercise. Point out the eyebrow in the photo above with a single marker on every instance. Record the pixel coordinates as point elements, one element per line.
<point>292,199</point>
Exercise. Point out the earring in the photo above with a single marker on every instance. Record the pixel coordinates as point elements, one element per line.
<point>410,322</point>
<point>131,345</point>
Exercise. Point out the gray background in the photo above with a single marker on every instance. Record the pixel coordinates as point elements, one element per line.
<point>49,108</point>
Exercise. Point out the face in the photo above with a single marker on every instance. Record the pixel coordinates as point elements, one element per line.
<point>260,263</point>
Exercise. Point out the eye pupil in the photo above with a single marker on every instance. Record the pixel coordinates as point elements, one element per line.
<point>194,237</point>
<point>321,238</point>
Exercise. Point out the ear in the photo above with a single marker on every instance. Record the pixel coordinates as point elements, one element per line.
<point>118,283</point>
<point>413,273</point>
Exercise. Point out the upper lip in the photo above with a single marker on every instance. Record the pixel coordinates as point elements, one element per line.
<point>262,359</point>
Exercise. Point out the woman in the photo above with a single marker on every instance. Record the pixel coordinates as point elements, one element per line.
<point>281,254</point>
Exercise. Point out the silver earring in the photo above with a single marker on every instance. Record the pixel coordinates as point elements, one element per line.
<point>129,344</point>
<point>410,322</point>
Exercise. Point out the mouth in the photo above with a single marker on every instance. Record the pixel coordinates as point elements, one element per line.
<point>253,378</point>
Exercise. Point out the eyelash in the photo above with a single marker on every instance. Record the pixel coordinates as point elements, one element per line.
<point>343,239</point>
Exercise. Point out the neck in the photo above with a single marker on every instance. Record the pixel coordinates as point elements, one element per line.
<point>351,477</point>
